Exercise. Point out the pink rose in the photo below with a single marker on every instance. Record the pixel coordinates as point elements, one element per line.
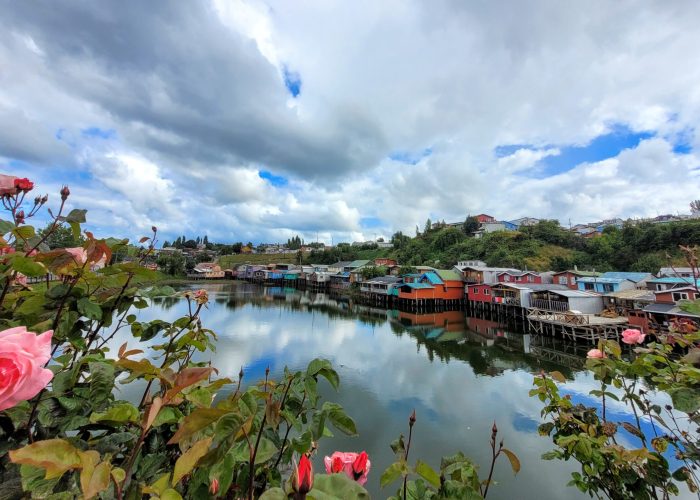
<point>354,465</point>
<point>23,355</point>
<point>7,185</point>
<point>596,354</point>
<point>79,255</point>
<point>631,336</point>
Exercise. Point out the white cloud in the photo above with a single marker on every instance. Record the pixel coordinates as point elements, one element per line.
<point>197,100</point>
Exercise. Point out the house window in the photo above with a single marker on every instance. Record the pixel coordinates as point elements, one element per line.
<point>588,286</point>
<point>607,287</point>
<point>487,291</point>
<point>562,280</point>
<point>506,277</point>
<point>573,280</point>
<point>679,296</point>
<point>659,287</point>
<point>530,278</point>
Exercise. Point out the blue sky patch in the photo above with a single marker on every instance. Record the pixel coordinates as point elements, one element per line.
<point>99,133</point>
<point>602,147</point>
<point>371,222</point>
<point>275,180</point>
<point>410,157</point>
<point>292,80</point>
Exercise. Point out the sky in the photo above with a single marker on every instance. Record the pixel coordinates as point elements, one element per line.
<point>346,121</point>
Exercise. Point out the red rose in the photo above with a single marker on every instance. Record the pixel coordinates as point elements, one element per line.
<point>24,184</point>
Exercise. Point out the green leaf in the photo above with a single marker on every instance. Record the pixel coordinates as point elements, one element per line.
<point>339,418</point>
<point>336,487</point>
<point>167,415</point>
<point>101,382</point>
<point>428,473</point>
<point>189,459</point>
<point>170,494</point>
<point>56,456</point>
<point>23,232</point>
<point>33,480</point>
<point>76,215</point>
<point>685,399</point>
<point>89,309</point>
<point>266,450</point>
<point>514,461</point>
<point>5,227</point>
<point>393,472</point>
<point>28,266</point>
<point>274,494</point>
<point>119,413</point>
<point>195,422</point>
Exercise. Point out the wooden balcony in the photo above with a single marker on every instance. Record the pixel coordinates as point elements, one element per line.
<point>550,305</point>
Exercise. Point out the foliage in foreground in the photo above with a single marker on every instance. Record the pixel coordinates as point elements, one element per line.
<point>662,435</point>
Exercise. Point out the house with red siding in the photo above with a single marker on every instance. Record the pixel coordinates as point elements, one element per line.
<point>479,292</point>
<point>569,277</point>
<point>482,218</point>
<point>675,295</point>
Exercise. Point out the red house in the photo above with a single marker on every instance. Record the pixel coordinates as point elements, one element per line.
<point>383,261</point>
<point>479,292</point>
<point>521,277</point>
<point>485,218</point>
<point>569,278</point>
<point>675,295</point>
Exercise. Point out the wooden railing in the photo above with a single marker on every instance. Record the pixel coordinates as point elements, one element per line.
<point>550,305</point>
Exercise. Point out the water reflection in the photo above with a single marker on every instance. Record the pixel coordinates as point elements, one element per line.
<point>460,374</point>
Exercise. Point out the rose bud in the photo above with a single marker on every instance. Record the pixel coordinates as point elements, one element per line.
<point>303,476</point>
<point>65,192</point>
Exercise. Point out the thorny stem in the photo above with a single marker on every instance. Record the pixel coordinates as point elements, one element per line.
<point>494,456</point>
<point>289,425</point>
<point>411,422</point>
<point>167,352</point>
<point>251,467</point>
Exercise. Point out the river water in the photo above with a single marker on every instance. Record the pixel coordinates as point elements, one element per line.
<point>460,374</point>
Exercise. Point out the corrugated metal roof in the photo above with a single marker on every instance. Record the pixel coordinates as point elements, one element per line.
<point>448,275</point>
<point>632,294</point>
<point>636,277</point>
<point>603,280</point>
<point>433,278</point>
<point>575,294</point>
<point>579,273</point>
<point>357,263</point>
<point>536,287</point>
<point>417,285</point>
<point>669,309</point>
<point>676,280</point>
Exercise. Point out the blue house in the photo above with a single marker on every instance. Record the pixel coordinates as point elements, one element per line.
<point>613,281</point>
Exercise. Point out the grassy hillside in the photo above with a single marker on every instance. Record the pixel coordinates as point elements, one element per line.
<point>546,246</point>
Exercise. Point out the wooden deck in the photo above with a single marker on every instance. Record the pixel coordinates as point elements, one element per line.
<point>587,327</point>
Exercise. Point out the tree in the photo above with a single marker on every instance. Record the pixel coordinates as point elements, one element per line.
<point>428,226</point>
<point>695,206</point>
<point>471,225</point>
<point>172,263</point>
<point>62,237</point>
